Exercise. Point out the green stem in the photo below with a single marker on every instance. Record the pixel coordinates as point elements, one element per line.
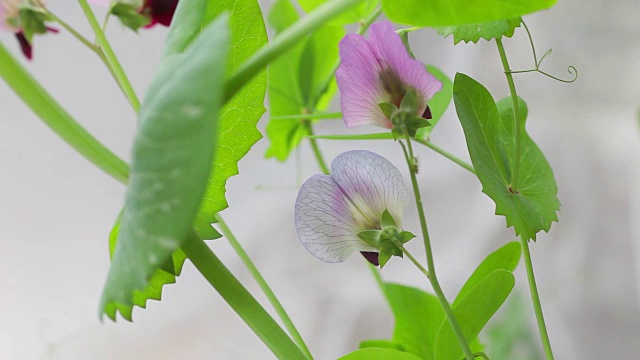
<point>226,231</point>
<point>427,245</point>
<point>283,42</point>
<point>97,50</point>
<point>413,259</point>
<point>537,306</point>
<point>117,69</point>
<point>517,128</point>
<point>245,305</point>
<point>336,115</point>
<point>48,109</point>
<point>316,149</point>
<point>447,154</point>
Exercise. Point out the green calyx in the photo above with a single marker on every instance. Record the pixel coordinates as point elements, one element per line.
<point>31,19</point>
<point>404,118</point>
<point>386,240</point>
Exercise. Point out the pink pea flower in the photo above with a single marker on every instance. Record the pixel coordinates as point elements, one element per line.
<point>156,11</point>
<point>12,21</point>
<point>331,210</point>
<point>380,70</point>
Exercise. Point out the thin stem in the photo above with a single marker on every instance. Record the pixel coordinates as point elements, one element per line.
<point>316,149</point>
<point>96,49</point>
<point>226,231</point>
<point>281,43</point>
<point>242,302</point>
<point>447,154</point>
<point>517,127</point>
<point>103,43</point>
<point>336,115</point>
<point>537,306</point>
<point>52,114</point>
<point>427,245</point>
<point>413,259</point>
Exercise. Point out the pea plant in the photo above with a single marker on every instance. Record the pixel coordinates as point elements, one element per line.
<point>198,118</point>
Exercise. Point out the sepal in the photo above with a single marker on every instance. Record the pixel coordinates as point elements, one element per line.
<point>387,220</point>
<point>129,16</point>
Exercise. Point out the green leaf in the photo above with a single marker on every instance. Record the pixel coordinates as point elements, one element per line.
<point>459,12</point>
<point>419,317</point>
<point>489,133</point>
<point>170,162</point>
<point>439,103</point>
<point>510,336</point>
<point>355,14</point>
<point>237,131</point>
<point>505,258</point>
<point>488,31</point>
<point>379,354</point>
<point>473,312</point>
<point>129,15</point>
<point>296,78</point>
<point>153,290</point>
<point>387,344</point>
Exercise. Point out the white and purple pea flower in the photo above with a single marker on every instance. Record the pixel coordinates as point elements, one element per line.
<point>358,208</point>
<point>379,70</point>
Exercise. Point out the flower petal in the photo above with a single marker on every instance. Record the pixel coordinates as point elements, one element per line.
<point>359,84</point>
<point>388,45</point>
<point>372,184</point>
<point>324,222</point>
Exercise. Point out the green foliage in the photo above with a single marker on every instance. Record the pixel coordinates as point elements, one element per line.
<point>355,14</point>
<point>153,290</point>
<point>297,78</point>
<point>233,121</point>
<point>170,162</point>
<point>439,103</point>
<point>437,13</point>
<point>237,131</point>
<point>372,353</point>
<point>488,129</point>
<point>387,344</point>
<point>510,336</point>
<point>505,258</point>
<point>129,15</point>
<point>473,312</point>
<point>418,318</point>
<point>489,30</point>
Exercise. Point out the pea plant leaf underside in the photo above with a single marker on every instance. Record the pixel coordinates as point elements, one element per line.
<point>236,126</point>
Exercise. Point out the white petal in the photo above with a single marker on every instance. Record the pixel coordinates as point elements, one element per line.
<point>372,184</point>
<point>324,222</point>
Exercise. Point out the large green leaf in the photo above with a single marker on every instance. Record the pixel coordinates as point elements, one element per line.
<point>296,78</point>
<point>379,354</point>
<point>439,103</point>
<point>488,31</point>
<point>473,312</point>
<point>237,131</point>
<point>459,12</point>
<point>490,139</point>
<point>236,128</point>
<point>170,163</point>
<point>505,258</point>
<point>418,316</point>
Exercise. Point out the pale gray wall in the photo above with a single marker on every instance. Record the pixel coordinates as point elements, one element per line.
<point>56,209</point>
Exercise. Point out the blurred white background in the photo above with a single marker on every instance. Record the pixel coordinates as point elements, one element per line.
<point>56,209</point>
